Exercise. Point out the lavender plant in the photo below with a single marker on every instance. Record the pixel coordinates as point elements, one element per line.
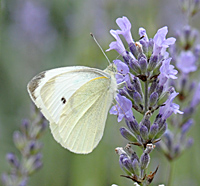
<point>185,53</point>
<point>26,140</point>
<point>144,77</point>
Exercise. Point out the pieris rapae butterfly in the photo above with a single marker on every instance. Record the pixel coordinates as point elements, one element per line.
<point>76,101</point>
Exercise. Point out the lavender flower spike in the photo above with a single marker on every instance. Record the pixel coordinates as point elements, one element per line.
<point>123,108</point>
<point>186,62</point>
<point>117,45</point>
<point>160,41</point>
<point>169,108</point>
<point>125,26</point>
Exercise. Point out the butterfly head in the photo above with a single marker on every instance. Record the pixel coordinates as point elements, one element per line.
<point>111,68</point>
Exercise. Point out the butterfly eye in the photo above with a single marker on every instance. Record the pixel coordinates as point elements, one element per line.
<point>63,100</point>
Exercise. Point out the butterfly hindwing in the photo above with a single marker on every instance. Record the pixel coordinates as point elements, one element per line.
<point>83,119</point>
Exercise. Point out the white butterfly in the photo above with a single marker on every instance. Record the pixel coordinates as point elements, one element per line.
<point>76,101</point>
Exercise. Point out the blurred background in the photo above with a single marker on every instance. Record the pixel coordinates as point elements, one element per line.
<point>38,35</point>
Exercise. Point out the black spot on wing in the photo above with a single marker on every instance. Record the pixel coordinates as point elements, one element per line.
<point>63,100</point>
<point>34,83</point>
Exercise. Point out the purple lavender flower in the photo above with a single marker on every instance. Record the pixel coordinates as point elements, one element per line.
<point>123,108</point>
<point>123,70</point>
<point>142,33</point>
<point>169,108</point>
<point>117,45</point>
<point>125,26</point>
<point>186,62</point>
<point>166,71</point>
<point>160,41</point>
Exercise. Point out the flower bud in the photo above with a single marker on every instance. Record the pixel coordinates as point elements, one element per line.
<point>153,86</point>
<point>127,164</point>
<point>136,167</point>
<point>12,159</point>
<point>127,134</point>
<point>135,66</point>
<point>33,147</point>
<point>122,161</point>
<point>152,63</point>
<point>133,126</point>
<point>150,48</point>
<point>159,90</point>
<point>133,49</point>
<point>134,156</point>
<point>144,132</point>
<point>137,98</point>
<point>143,64</point>
<point>25,126</point>
<point>146,123</point>
<point>158,118</point>
<point>137,85</point>
<point>19,140</point>
<point>144,46</point>
<point>161,131</point>
<point>153,99</point>
<point>153,131</point>
<point>33,163</point>
<point>144,161</point>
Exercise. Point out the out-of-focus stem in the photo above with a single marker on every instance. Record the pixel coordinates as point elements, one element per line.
<point>169,180</point>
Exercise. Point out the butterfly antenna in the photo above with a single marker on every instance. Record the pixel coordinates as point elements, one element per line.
<point>100,48</point>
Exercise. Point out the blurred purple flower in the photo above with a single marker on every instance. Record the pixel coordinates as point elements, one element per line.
<point>166,71</point>
<point>186,62</point>
<point>123,108</point>
<point>160,41</point>
<point>31,22</point>
<point>169,107</point>
<point>186,126</point>
<point>125,26</point>
<point>196,97</point>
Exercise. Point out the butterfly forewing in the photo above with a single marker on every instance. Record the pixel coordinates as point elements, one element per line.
<point>75,100</point>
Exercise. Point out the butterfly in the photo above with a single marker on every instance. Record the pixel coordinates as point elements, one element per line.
<point>75,100</point>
